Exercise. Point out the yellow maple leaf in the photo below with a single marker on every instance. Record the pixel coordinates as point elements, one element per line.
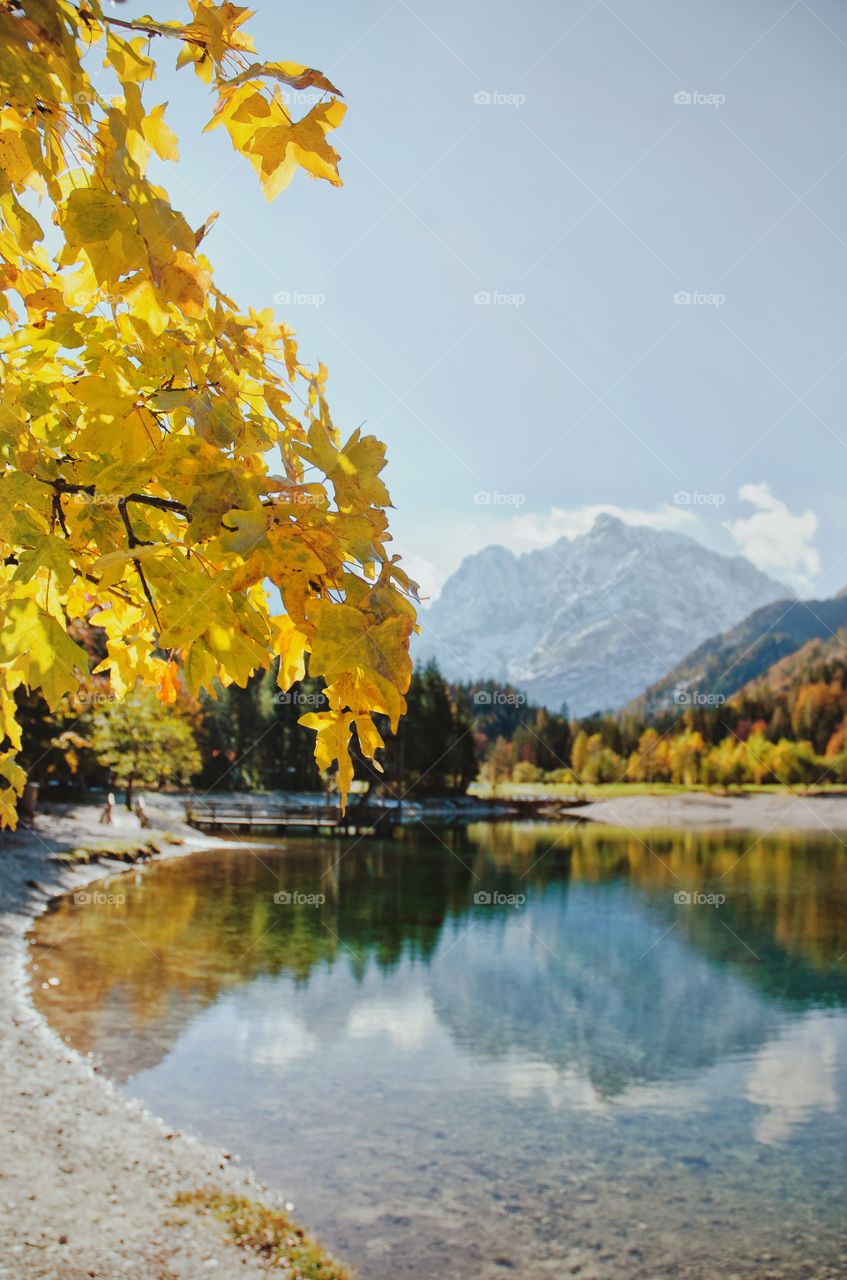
<point>263,130</point>
<point>332,745</point>
<point>161,137</point>
<point>168,688</point>
<point>354,469</point>
<point>293,74</point>
<point>291,645</point>
<point>36,644</point>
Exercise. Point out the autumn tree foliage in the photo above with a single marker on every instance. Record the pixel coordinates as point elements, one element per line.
<point>142,743</point>
<point>166,455</point>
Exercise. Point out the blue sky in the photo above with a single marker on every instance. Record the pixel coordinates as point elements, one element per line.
<point>532,191</point>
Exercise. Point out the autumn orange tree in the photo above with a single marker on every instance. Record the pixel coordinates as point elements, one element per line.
<point>143,414</point>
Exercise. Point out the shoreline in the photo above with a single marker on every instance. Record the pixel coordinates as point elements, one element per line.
<point>755,812</point>
<point>90,1177</point>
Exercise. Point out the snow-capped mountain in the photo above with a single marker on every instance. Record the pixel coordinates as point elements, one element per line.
<point>592,621</point>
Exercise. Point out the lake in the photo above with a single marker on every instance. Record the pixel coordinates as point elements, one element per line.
<point>526,1049</point>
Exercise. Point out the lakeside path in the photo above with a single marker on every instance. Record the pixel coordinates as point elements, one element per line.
<point>756,812</point>
<point>87,1177</point>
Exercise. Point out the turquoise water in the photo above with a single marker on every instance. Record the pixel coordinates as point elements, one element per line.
<point>503,1049</point>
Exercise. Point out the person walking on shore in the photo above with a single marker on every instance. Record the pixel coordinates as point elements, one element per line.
<point>107,816</point>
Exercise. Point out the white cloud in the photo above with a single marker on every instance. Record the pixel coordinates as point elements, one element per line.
<point>408,1023</point>
<point>532,531</point>
<point>794,1077</point>
<point>430,577</point>
<point>775,539</point>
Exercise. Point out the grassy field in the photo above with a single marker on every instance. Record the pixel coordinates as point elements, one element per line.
<point>607,791</point>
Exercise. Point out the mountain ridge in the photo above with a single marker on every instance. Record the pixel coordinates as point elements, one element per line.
<point>729,661</point>
<point>589,621</point>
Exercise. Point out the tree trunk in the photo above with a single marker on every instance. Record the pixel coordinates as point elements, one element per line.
<point>129,784</point>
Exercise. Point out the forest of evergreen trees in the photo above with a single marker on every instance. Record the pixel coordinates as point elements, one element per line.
<point>790,728</point>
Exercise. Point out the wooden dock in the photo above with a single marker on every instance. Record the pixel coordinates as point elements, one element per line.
<point>249,817</point>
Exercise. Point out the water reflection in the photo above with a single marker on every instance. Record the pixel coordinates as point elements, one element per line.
<point>518,1007</point>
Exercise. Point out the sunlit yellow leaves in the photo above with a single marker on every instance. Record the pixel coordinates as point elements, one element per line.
<point>99,225</point>
<point>138,433</point>
<point>332,745</point>
<point>185,282</point>
<point>294,74</point>
<point>369,738</point>
<point>168,687</point>
<point>128,59</point>
<point>37,646</point>
<point>246,532</point>
<point>140,406</point>
<point>161,137</point>
<point>200,667</point>
<point>347,638</point>
<point>111,567</point>
<point>212,34</point>
<point>290,644</point>
<point>8,808</point>
<point>236,650</point>
<point>41,301</point>
<point>51,554</point>
<point>107,393</point>
<point>353,470</point>
<point>14,781</point>
<point>216,420</point>
<point>17,163</point>
<point>10,730</point>
<point>363,688</point>
<point>262,129</point>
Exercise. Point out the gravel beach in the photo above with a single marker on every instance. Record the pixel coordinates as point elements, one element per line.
<point>87,1178</point>
<point>757,813</point>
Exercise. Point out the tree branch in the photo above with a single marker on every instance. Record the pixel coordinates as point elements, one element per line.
<point>133,543</point>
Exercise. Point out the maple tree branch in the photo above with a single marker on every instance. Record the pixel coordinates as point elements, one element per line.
<point>161,504</point>
<point>146,499</point>
<point>133,543</point>
<point>59,514</point>
<point>146,28</point>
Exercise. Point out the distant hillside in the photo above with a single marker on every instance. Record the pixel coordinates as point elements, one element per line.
<point>727,662</point>
<point>817,660</point>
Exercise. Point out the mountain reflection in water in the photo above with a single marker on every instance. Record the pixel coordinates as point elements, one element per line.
<point>541,973</point>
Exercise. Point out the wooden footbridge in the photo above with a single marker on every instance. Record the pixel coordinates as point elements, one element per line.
<point>250,817</point>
